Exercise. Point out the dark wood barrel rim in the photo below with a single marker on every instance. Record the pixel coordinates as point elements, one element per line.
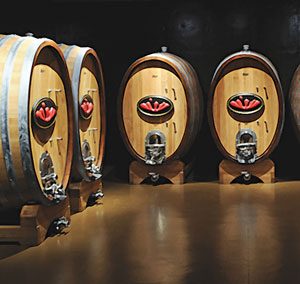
<point>268,68</point>
<point>194,103</point>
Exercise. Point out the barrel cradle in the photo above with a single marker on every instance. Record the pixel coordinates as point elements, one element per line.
<point>89,124</point>
<point>159,109</point>
<point>36,122</point>
<point>246,107</point>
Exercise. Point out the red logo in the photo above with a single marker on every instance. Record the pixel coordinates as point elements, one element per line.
<point>86,107</point>
<point>245,106</point>
<point>155,106</point>
<point>44,113</point>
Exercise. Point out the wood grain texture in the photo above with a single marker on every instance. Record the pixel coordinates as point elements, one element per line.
<point>44,78</point>
<point>35,220</point>
<point>264,170</point>
<point>92,134</point>
<point>86,75</point>
<point>174,171</point>
<point>154,81</point>
<point>32,67</point>
<point>257,82</point>
<point>80,192</point>
<point>246,72</point>
<point>168,75</point>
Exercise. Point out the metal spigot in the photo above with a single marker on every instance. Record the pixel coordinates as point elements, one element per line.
<point>154,177</point>
<point>246,175</point>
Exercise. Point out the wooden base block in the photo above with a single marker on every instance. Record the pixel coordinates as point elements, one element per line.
<point>80,192</point>
<point>174,171</point>
<point>264,170</point>
<point>35,221</point>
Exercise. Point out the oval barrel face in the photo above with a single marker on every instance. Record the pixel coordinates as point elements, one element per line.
<point>246,107</point>
<point>47,83</point>
<point>88,95</point>
<point>154,101</point>
<point>241,82</point>
<point>90,112</point>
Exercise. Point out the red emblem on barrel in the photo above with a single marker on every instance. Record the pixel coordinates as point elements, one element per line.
<point>245,106</point>
<point>86,107</point>
<point>44,113</point>
<point>155,106</point>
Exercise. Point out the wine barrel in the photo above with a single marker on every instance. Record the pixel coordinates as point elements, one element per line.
<point>246,107</point>
<point>36,122</point>
<point>294,102</point>
<point>159,108</point>
<point>89,111</point>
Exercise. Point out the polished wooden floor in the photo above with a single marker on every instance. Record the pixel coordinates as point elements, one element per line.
<point>173,234</point>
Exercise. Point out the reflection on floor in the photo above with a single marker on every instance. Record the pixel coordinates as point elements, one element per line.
<point>191,233</point>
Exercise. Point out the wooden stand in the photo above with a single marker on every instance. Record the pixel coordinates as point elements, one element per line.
<point>174,171</point>
<point>35,220</point>
<point>80,192</point>
<point>264,170</point>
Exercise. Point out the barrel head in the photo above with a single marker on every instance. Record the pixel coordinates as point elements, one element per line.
<point>246,98</point>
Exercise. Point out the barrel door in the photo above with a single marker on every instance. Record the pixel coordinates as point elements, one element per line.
<point>246,107</point>
<point>159,108</point>
<point>36,122</point>
<point>89,108</point>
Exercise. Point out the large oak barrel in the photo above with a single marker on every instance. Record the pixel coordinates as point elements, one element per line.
<point>294,102</point>
<point>246,107</point>
<point>36,122</point>
<point>89,111</point>
<point>159,108</point>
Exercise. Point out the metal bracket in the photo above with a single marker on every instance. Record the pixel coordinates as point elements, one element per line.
<point>58,226</point>
<point>246,146</point>
<point>246,175</point>
<point>154,177</point>
<point>52,190</point>
<point>94,197</point>
<point>155,148</point>
<point>92,170</point>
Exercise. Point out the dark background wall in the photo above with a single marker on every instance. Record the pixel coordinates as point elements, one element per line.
<point>201,32</point>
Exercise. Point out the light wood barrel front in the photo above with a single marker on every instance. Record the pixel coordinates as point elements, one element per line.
<point>259,82</point>
<point>160,75</point>
<point>160,82</point>
<point>243,73</point>
<point>32,69</point>
<point>87,79</point>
